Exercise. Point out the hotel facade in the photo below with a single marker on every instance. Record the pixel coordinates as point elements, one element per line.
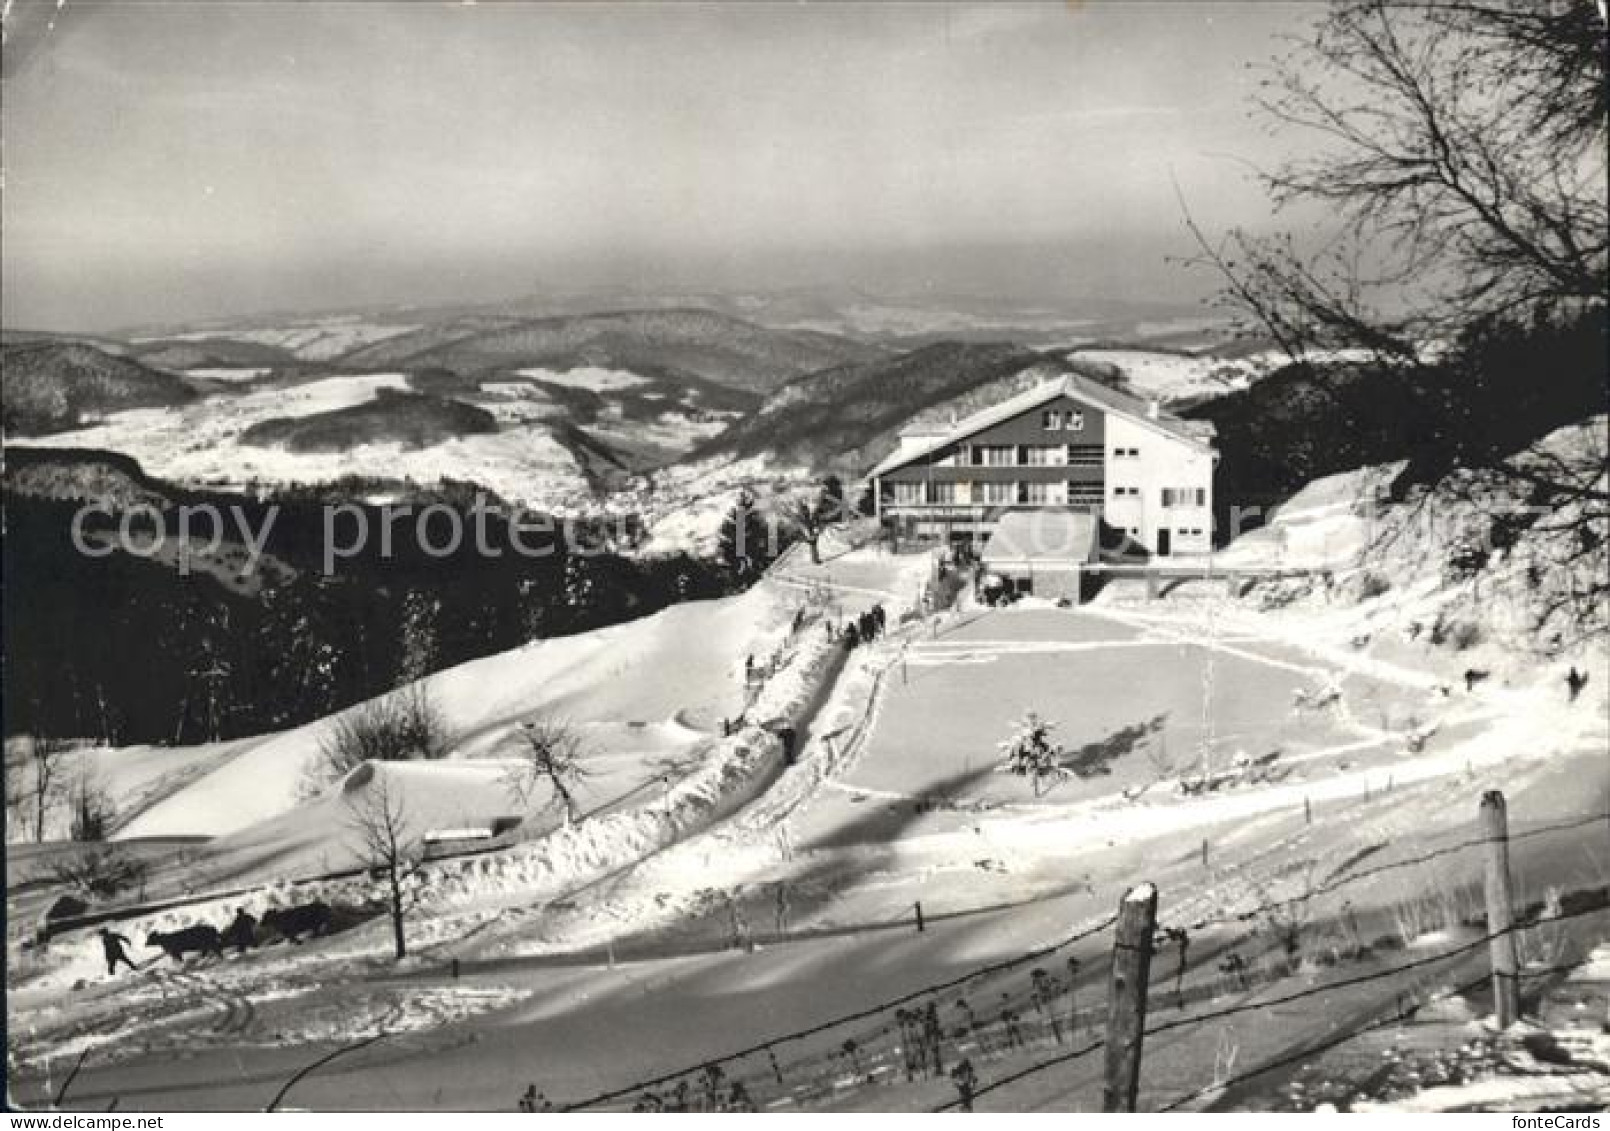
<point>1071,446</point>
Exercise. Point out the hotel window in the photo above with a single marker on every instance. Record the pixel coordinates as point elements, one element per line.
<point>1085,493</point>
<point>1184,496</point>
<point>999,492</point>
<point>1040,493</point>
<point>1045,455</point>
<point>1051,419</point>
<point>906,493</point>
<point>1126,453</point>
<point>995,455</point>
<point>941,492</point>
<point>1085,455</point>
<point>1126,492</point>
<point>1074,422</point>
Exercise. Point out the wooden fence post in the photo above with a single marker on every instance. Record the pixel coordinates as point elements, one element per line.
<point>921,926</point>
<point>1126,1004</point>
<point>1073,997</point>
<point>1500,908</point>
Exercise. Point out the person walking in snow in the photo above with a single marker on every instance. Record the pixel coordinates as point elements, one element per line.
<point>113,944</point>
<point>1575,681</point>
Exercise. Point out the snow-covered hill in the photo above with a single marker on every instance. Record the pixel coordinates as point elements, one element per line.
<point>628,685</point>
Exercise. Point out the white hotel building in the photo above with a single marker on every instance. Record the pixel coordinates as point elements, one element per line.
<point>1061,458</point>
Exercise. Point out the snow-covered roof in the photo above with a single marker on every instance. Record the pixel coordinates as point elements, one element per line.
<point>478,832</point>
<point>1068,385</point>
<point>1042,535</point>
<point>929,428</point>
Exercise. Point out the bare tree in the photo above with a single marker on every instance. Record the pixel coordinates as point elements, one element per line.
<point>386,842</point>
<point>18,796</point>
<point>815,513</point>
<point>91,807</point>
<point>1461,156</point>
<point>101,873</point>
<point>403,726</point>
<point>1162,762</point>
<point>554,757</point>
<point>46,784</point>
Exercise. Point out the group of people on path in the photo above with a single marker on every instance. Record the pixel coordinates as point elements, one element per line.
<point>863,629</point>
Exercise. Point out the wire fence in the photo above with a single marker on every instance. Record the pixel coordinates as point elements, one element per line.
<point>1263,1004</point>
<point>911,1037</point>
<point>969,1035</point>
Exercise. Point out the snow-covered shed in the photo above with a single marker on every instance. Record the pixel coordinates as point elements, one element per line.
<point>1042,552</point>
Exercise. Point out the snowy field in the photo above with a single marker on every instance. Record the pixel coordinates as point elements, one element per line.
<point>201,444</point>
<point>590,377</point>
<point>668,431</point>
<point>1325,525</point>
<point>1135,706</point>
<point>319,340</point>
<point>1172,377</point>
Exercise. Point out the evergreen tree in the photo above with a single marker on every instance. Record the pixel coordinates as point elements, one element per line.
<point>581,590</point>
<point>1032,753</point>
<point>421,611</point>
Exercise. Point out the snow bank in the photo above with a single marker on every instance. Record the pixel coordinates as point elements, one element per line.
<point>682,662</point>
<point>737,771</point>
<point>1573,1091</point>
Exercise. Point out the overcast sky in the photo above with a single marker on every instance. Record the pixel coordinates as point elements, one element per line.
<point>168,161</point>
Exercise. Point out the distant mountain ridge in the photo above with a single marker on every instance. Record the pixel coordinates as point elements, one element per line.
<point>707,345</point>
<point>848,417</point>
<point>213,353</point>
